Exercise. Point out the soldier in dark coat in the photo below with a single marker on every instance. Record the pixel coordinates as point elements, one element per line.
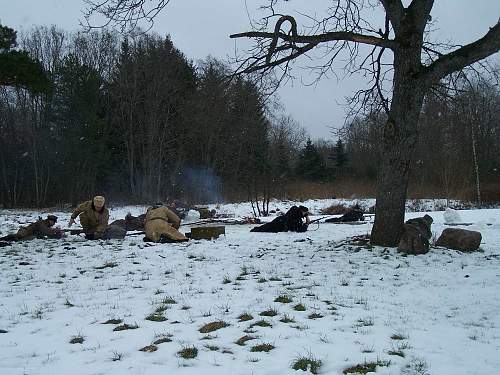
<point>354,214</point>
<point>416,236</point>
<point>39,229</point>
<point>291,221</point>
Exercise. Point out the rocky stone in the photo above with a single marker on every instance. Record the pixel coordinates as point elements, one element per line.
<point>460,239</point>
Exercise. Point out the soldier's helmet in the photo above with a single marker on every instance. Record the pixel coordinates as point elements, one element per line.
<point>305,210</point>
<point>52,218</point>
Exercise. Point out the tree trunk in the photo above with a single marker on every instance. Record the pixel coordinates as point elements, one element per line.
<point>399,140</point>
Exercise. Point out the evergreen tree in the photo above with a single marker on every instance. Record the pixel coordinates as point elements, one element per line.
<point>310,165</point>
<point>17,68</point>
<point>80,126</point>
<point>339,155</point>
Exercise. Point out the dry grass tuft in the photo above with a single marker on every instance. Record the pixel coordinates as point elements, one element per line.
<point>261,323</point>
<point>113,321</point>
<point>188,352</point>
<point>149,349</point>
<point>213,326</point>
<point>283,299</point>
<point>245,317</point>
<point>162,338</point>
<point>242,340</point>
<point>269,312</point>
<point>262,348</point>
<point>77,339</point>
<point>366,367</point>
<point>299,307</point>
<point>307,363</point>
<point>315,316</point>
<point>125,327</point>
<point>156,317</point>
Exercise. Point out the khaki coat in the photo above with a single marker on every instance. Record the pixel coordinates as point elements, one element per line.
<point>92,221</point>
<point>39,229</point>
<point>160,221</point>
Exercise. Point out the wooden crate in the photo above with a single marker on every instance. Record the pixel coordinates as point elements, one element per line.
<point>206,232</point>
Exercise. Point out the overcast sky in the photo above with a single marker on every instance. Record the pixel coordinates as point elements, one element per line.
<point>201,27</point>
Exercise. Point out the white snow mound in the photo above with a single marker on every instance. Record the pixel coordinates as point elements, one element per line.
<point>452,216</point>
<point>192,215</point>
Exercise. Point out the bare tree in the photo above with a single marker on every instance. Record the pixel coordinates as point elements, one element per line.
<point>417,66</point>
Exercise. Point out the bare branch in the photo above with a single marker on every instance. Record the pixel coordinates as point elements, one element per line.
<point>321,38</point>
<point>126,14</point>
<point>395,11</point>
<point>464,56</point>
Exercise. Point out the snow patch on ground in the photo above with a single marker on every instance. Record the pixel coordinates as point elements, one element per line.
<point>443,306</point>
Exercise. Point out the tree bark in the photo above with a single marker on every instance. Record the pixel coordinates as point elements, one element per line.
<point>399,140</point>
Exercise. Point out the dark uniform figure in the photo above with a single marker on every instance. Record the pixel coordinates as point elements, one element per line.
<point>179,208</point>
<point>130,223</point>
<point>291,221</point>
<point>416,236</point>
<point>354,214</point>
<point>39,229</point>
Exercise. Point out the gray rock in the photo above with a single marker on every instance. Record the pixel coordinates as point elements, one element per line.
<point>114,232</point>
<point>460,239</point>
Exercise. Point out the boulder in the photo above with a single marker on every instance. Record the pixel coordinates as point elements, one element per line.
<point>460,239</point>
<point>114,232</point>
<point>416,236</point>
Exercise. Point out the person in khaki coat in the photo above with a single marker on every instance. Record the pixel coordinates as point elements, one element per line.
<point>94,217</point>
<point>161,225</point>
<point>43,228</point>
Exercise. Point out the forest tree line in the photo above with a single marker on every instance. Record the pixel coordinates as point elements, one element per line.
<point>458,154</point>
<point>136,120</point>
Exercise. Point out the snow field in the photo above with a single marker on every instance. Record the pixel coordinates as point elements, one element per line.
<point>441,309</point>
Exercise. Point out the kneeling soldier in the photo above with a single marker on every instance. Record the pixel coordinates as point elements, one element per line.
<point>161,225</point>
<point>94,218</point>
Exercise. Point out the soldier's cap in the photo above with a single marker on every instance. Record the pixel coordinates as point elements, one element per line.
<point>99,200</point>
<point>304,208</point>
<point>428,219</point>
<point>52,218</point>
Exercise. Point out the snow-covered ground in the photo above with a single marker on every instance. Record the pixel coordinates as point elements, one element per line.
<point>441,309</point>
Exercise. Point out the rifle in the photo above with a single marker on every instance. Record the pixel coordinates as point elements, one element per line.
<point>317,220</point>
<point>80,231</point>
<point>222,221</point>
<point>73,231</point>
